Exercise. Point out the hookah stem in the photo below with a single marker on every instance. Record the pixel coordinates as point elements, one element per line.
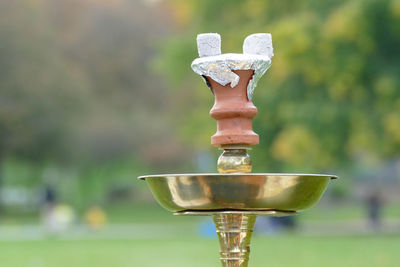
<point>234,229</point>
<point>234,233</point>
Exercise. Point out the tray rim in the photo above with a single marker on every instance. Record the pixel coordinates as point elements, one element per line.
<point>160,176</point>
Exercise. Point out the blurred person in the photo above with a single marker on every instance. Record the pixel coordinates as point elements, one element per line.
<point>56,217</point>
<point>285,223</point>
<point>95,217</point>
<point>50,195</point>
<point>49,201</point>
<point>275,225</point>
<point>374,203</point>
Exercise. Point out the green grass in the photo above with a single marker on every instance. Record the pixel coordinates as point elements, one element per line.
<point>346,211</point>
<point>279,251</point>
<point>323,212</point>
<point>145,213</point>
<point>133,213</point>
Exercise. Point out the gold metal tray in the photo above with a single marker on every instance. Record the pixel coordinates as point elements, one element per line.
<point>193,193</point>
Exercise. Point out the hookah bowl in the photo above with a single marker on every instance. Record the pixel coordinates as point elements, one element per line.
<point>234,197</point>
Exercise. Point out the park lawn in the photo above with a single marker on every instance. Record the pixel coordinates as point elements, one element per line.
<point>323,212</point>
<point>279,251</point>
<point>139,213</point>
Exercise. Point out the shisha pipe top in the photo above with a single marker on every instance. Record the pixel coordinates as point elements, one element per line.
<point>235,197</point>
<point>232,79</point>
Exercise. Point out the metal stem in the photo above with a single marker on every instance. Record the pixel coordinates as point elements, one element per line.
<point>234,160</point>
<point>234,229</point>
<point>234,233</point>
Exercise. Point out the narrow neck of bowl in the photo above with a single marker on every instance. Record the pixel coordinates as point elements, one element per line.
<point>233,112</point>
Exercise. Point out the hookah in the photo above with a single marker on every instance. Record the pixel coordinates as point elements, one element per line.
<point>234,196</point>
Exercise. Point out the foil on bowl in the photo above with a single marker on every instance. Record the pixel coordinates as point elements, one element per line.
<point>220,68</point>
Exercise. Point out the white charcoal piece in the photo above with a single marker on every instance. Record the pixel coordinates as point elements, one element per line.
<point>209,44</point>
<point>258,44</point>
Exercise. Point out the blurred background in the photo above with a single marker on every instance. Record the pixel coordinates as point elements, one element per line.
<point>96,93</point>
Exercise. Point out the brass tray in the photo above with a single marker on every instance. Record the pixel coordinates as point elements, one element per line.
<point>194,193</point>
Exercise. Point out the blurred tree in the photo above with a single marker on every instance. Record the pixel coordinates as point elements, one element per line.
<point>80,108</point>
<point>75,81</point>
<point>332,95</point>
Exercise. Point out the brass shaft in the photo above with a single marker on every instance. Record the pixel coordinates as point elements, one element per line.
<point>234,233</point>
<point>234,160</point>
<point>234,229</point>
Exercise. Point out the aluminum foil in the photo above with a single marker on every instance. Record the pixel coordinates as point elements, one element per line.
<point>220,68</point>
